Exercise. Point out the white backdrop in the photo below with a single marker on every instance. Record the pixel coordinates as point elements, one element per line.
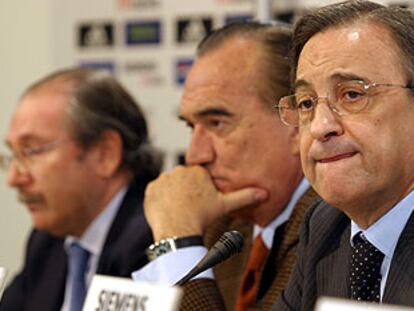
<point>148,70</point>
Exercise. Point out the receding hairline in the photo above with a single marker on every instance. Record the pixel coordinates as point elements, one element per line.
<point>364,21</point>
<point>253,67</point>
<point>65,79</point>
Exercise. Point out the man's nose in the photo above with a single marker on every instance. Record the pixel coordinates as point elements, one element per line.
<point>325,122</point>
<point>201,149</point>
<point>17,175</point>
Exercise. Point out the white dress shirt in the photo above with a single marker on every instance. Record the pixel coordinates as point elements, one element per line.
<point>385,233</point>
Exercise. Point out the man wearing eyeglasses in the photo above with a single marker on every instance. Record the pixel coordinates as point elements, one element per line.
<point>80,160</point>
<point>243,173</point>
<point>353,103</point>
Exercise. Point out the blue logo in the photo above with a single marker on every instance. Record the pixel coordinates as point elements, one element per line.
<point>182,67</point>
<point>237,18</point>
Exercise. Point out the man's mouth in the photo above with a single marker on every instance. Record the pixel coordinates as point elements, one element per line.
<point>221,183</point>
<point>27,198</point>
<point>337,157</point>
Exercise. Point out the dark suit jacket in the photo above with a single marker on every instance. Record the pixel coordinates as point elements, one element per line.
<point>221,294</point>
<point>41,283</point>
<point>322,268</point>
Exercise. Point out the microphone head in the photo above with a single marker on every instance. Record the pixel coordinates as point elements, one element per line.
<point>230,243</point>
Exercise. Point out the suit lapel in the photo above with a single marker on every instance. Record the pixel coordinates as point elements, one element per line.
<point>400,282</point>
<point>114,257</point>
<point>286,255</point>
<point>291,234</point>
<point>48,279</point>
<point>332,271</point>
<point>230,272</point>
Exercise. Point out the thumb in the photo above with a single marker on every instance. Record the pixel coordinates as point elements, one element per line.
<point>242,198</point>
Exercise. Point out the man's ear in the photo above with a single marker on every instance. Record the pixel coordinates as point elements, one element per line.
<point>294,140</point>
<point>107,154</point>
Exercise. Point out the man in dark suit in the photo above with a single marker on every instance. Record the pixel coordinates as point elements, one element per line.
<point>80,163</point>
<point>353,103</point>
<point>243,172</point>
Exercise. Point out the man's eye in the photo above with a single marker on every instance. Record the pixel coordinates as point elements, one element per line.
<point>216,123</point>
<point>30,151</point>
<point>305,104</point>
<point>352,95</point>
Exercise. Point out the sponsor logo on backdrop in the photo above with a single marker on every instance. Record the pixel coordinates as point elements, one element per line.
<point>146,72</point>
<point>182,67</point>
<point>193,29</point>
<point>99,65</point>
<point>144,66</point>
<point>237,18</point>
<point>143,32</point>
<point>137,4</point>
<point>95,34</point>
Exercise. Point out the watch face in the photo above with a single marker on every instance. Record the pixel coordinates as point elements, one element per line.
<point>163,248</point>
<point>158,249</point>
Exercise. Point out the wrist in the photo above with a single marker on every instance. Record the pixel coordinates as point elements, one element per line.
<point>172,244</point>
<point>166,232</point>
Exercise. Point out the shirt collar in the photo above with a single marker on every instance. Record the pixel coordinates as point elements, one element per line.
<point>385,232</point>
<point>94,237</point>
<point>268,232</point>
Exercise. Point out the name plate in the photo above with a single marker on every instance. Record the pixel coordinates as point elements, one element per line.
<point>107,293</point>
<point>329,304</point>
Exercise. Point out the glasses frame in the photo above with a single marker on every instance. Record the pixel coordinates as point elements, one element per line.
<point>367,87</point>
<point>22,158</point>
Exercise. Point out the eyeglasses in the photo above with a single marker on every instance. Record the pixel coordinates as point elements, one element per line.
<point>23,159</point>
<point>346,98</point>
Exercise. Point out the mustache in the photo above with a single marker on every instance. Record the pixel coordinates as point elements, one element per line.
<point>28,198</point>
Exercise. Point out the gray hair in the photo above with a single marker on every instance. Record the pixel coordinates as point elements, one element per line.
<point>399,21</point>
<point>96,103</point>
<point>274,40</point>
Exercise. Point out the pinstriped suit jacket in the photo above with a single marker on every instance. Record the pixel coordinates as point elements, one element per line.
<point>323,257</point>
<point>222,293</point>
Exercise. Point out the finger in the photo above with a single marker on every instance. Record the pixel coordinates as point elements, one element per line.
<point>241,198</point>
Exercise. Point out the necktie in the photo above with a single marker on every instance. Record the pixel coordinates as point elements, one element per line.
<point>366,261</point>
<point>78,264</point>
<point>251,277</point>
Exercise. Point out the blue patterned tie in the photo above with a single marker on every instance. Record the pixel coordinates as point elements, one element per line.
<point>78,264</point>
<point>366,261</point>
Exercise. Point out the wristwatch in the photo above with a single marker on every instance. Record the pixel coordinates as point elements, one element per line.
<point>171,245</point>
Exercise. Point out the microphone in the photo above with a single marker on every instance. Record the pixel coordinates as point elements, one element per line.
<point>229,244</point>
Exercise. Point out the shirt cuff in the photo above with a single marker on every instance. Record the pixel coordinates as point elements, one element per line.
<point>169,268</point>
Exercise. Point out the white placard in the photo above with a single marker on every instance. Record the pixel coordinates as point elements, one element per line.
<point>108,293</point>
<point>329,304</point>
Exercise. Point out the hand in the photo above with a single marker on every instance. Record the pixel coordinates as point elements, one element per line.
<point>185,201</point>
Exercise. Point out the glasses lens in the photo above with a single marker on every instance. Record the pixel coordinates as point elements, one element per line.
<point>288,111</point>
<point>5,161</point>
<point>351,96</point>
